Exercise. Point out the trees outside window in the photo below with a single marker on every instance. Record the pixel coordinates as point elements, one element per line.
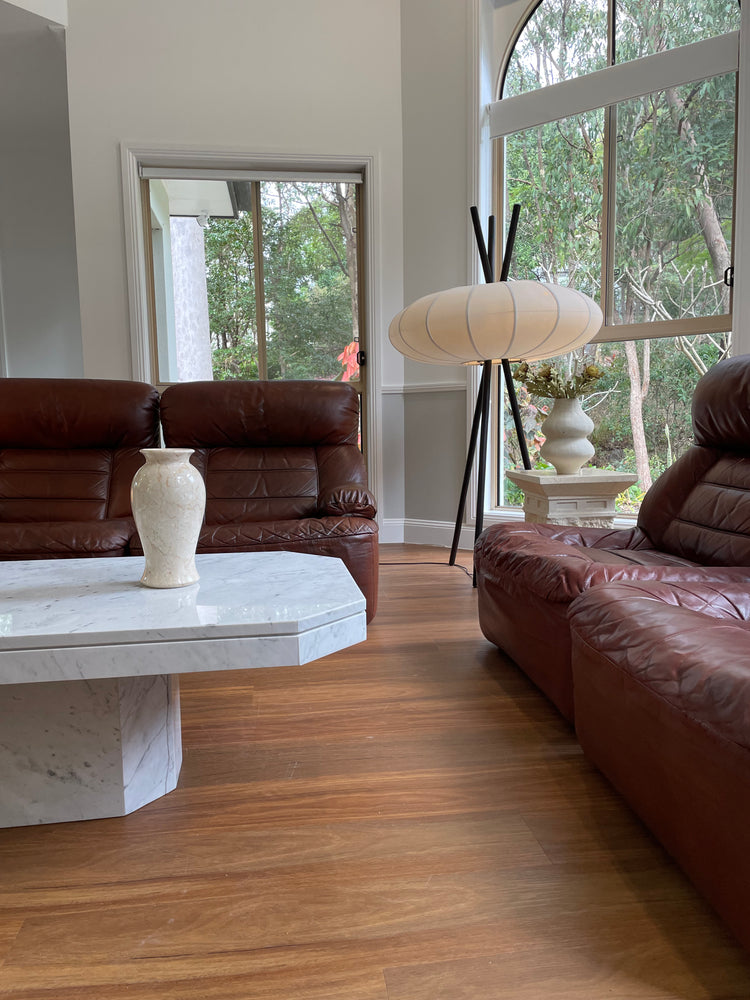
<point>255,278</point>
<point>309,285</point>
<point>633,205</point>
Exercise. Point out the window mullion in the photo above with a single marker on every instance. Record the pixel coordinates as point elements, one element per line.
<point>259,279</point>
<point>609,209</point>
<point>625,81</point>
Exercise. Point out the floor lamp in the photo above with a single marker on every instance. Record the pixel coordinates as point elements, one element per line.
<point>491,324</point>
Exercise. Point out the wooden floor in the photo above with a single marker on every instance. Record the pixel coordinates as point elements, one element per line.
<point>408,820</point>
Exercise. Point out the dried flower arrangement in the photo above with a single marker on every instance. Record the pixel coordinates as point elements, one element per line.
<point>548,381</point>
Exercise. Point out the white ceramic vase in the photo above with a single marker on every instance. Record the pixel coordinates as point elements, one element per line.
<point>565,429</point>
<point>168,497</point>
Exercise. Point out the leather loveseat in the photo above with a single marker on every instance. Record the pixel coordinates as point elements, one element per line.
<point>694,525</point>
<point>282,469</point>
<point>661,675</point>
<point>280,460</point>
<point>69,449</point>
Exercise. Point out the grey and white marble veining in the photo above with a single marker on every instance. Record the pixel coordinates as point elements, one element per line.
<point>76,602</point>
<point>151,737</point>
<point>73,750</point>
<point>140,659</point>
<point>89,711</point>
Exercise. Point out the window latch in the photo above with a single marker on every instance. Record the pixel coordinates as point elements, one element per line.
<point>729,276</point>
<point>361,358</point>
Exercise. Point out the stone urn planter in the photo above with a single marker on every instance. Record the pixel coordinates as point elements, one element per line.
<point>566,429</point>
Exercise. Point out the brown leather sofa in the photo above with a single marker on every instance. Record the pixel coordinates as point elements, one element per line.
<point>694,525</point>
<point>69,449</point>
<point>282,469</point>
<point>661,675</point>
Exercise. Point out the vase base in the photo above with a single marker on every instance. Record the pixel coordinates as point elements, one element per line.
<point>168,584</point>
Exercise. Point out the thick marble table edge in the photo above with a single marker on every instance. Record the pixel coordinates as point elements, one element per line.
<point>141,659</point>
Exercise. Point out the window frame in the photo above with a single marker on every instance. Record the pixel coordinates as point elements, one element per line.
<point>137,157</point>
<point>616,83</point>
<point>708,58</point>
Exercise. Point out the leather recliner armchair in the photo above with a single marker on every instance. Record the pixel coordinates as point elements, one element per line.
<point>694,525</point>
<point>69,449</point>
<point>282,469</point>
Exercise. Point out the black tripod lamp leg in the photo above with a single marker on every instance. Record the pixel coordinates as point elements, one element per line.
<point>513,400</point>
<point>482,470</point>
<point>469,463</point>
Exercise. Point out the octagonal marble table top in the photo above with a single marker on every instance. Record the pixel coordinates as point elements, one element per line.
<point>273,603</point>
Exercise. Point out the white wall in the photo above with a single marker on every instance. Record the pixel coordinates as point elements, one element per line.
<point>300,77</point>
<point>37,237</point>
<point>52,10</point>
<point>438,192</point>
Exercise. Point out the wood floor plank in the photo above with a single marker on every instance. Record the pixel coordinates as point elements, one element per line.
<point>9,928</point>
<point>407,819</point>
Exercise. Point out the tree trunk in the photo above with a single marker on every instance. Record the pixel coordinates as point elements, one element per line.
<point>638,391</point>
<point>708,220</point>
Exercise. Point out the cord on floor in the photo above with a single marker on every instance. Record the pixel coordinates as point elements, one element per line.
<point>420,562</point>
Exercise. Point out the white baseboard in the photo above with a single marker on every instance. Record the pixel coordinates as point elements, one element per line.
<point>418,532</point>
<point>391,530</point>
<point>415,531</point>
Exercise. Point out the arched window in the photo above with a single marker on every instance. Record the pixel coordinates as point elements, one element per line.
<point>632,201</point>
<point>616,135</point>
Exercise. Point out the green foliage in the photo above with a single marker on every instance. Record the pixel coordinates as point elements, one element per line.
<point>673,177</point>
<point>307,263</point>
<point>231,296</point>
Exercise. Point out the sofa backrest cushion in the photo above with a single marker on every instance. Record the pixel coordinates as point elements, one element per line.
<point>699,509</point>
<point>267,450</point>
<point>69,448</point>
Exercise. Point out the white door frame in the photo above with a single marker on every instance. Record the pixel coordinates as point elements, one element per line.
<point>3,344</point>
<point>136,155</point>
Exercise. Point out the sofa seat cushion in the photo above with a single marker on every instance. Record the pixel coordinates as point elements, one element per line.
<point>58,539</point>
<point>248,535</point>
<point>226,537</point>
<point>559,564</point>
<point>696,662</point>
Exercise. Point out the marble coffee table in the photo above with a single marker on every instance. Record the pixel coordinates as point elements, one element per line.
<point>89,658</point>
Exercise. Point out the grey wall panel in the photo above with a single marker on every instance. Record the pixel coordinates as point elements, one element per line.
<point>37,233</point>
<point>435,453</point>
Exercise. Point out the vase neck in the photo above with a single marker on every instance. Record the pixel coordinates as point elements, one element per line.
<point>165,456</point>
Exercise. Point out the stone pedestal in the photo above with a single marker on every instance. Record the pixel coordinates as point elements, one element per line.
<point>88,749</point>
<point>586,498</point>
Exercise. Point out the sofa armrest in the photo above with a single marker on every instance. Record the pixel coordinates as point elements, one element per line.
<point>348,499</point>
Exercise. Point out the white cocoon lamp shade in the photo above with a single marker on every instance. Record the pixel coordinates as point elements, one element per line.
<point>527,320</point>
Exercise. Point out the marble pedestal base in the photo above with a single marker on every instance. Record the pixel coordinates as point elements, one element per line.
<point>87,749</point>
